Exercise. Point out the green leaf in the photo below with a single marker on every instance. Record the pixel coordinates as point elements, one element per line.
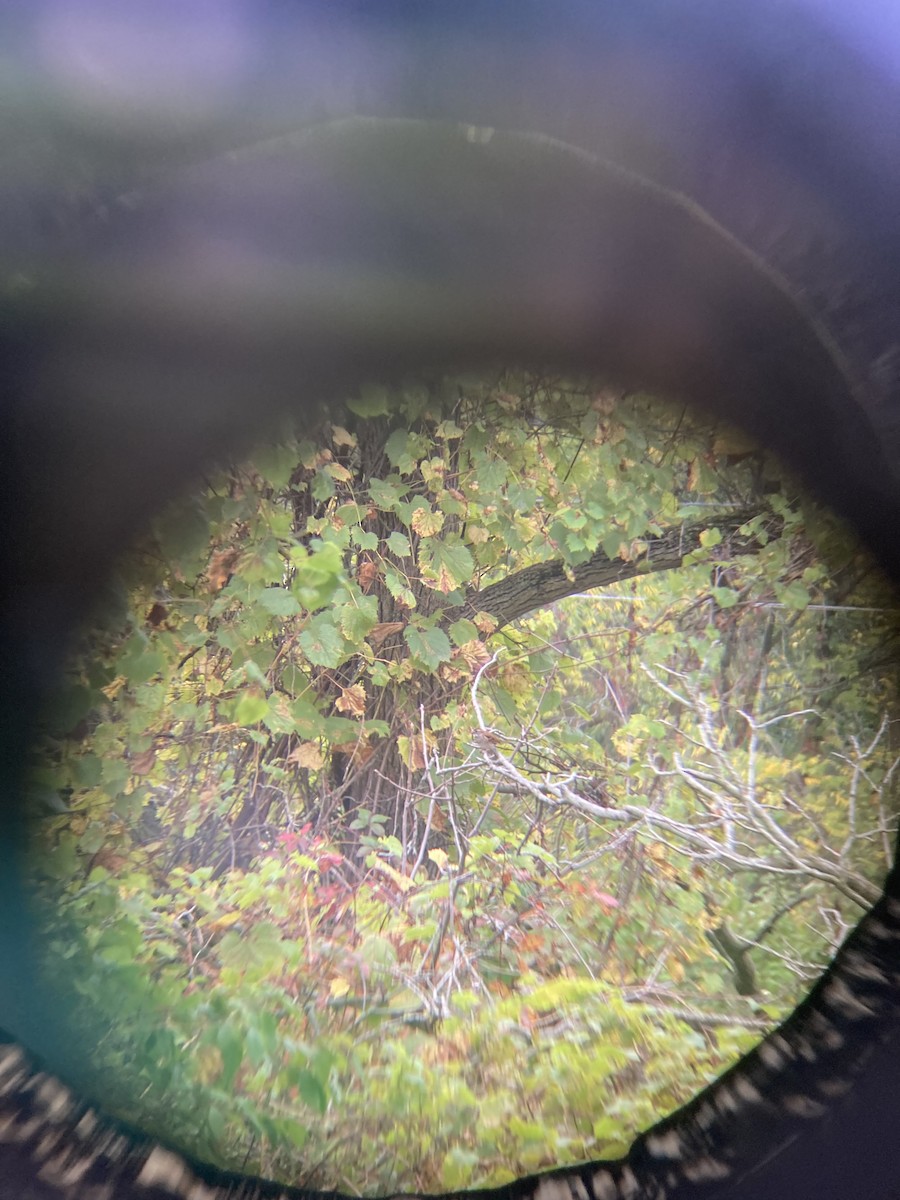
<point>399,588</point>
<point>611,543</point>
<point>276,464</point>
<point>522,498</point>
<point>260,564</point>
<point>231,1047</point>
<point>318,574</point>
<point>491,476</point>
<point>322,487</point>
<point>387,493</point>
<point>260,946</point>
<point>279,602</point>
<point>458,1168</point>
<point>372,401</point>
<point>183,535</point>
<point>449,560</point>
<point>138,662</point>
<point>293,1133</point>
<point>725,597</point>
<point>430,646</point>
<point>398,543</point>
<point>793,595</point>
<point>254,1048</point>
<point>398,450</point>
<point>278,718</point>
<point>88,771</point>
<point>311,1091</point>
<point>463,631</point>
<point>251,707</point>
<point>322,643</point>
<point>216,1124</point>
<point>448,430</point>
<point>307,719</point>
<point>115,775</point>
<point>358,619</point>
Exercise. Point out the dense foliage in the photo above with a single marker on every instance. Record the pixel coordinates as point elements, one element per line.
<point>447,789</point>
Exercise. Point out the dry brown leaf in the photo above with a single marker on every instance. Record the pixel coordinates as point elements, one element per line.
<point>142,764</point>
<point>107,858</point>
<point>157,615</point>
<point>413,752</point>
<point>352,700</point>
<point>384,630</point>
<point>474,652</point>
<point>221,567</point>
<point>361,753</point>
<point>367,574</point>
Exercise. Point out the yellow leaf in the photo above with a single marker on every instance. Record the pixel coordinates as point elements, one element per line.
<point>444,582</point>
<point>485,622</point>
<point>112,689</point>
<point>426,522</point>
<point>517,680</point>
<point>339,987</point>
<point>341,437</point>
<point>440,858</point>
<point>402,882</point>
<point>337,471</point>
<point>225,921</point>
<point>208,1061</point>
<point>307,754</point>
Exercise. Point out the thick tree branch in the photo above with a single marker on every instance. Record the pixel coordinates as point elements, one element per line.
<point>543,583</point>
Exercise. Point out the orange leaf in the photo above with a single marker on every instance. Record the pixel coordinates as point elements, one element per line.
<point>221,567</point>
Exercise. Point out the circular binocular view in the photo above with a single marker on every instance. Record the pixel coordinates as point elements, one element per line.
<point>451,741</point>
<point>475,772</point>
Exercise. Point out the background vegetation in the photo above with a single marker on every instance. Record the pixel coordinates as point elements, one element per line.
<point>450,789</point>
